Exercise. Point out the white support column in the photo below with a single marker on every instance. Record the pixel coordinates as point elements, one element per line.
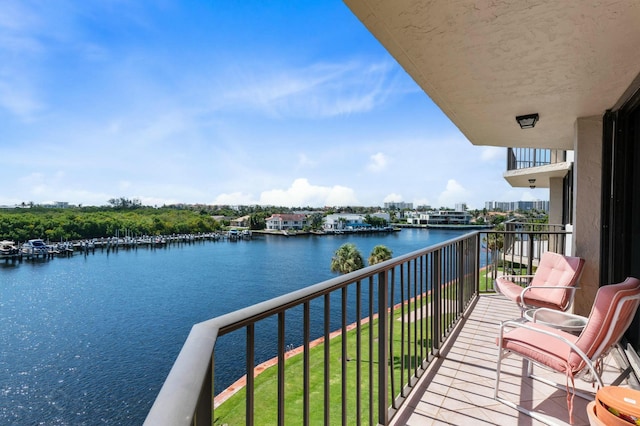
<point>556,189</point>
<point>586,207</point>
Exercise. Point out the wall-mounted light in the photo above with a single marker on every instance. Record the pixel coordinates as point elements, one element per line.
<point>527,121</point>
<point>532,183</point>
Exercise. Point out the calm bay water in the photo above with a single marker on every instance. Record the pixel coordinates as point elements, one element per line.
<point>91,338</point>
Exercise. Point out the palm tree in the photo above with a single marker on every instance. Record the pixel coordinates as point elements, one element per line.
<point>347,259</point>
<point>379,254</point>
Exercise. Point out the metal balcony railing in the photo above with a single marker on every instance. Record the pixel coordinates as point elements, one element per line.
<point>524,158</point>
<point>517,249</point>
<point>378,330</point>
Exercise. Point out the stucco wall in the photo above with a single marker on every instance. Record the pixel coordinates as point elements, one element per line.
<point>586,207</point>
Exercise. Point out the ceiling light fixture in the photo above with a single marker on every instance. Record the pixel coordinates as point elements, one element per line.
<point>527,121</point>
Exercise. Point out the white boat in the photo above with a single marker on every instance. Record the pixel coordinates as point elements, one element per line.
<point>35,247</point>
<point>65,247</point>
<point>8,249</point>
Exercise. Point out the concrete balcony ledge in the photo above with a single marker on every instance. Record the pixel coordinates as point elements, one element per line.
<point>458,388</point>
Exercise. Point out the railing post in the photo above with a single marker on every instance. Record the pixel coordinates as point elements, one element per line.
<point>383,354</point>
<point>250,379</point>
<point>531,254</point>
<point>436,301</point>
<point>204,409</point>
<point>460,252</point>
<point>281,361</point>
<point>476,268</point>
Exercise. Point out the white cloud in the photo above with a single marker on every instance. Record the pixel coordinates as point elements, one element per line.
<point>535,195</point>
<point>420,202</point>
<point>301,193</point>
<point>304,161</point>
<point>17,98</point>
<point>490,153</point>
<point>391,198</point>
<point>155,201</point>
<point>454,193</point>
<point>318,90</point>
<point>378,163</point>
<point>234,198</point>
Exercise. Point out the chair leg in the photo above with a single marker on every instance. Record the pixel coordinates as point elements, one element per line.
<point>498,365</point>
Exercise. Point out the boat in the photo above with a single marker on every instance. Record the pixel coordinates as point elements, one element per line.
<point>64,248</point>
<point>35,247</point>
<point>8,249</point>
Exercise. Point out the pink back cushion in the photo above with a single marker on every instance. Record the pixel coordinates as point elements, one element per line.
<point>554,270</point>
<point>592,339</point>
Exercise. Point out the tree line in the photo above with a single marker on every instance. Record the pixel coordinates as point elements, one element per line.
<point>86,223</point>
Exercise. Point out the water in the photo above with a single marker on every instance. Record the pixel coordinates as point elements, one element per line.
<point>90,339</point>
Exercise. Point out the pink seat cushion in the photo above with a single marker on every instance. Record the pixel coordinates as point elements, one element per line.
<point>541,348</point>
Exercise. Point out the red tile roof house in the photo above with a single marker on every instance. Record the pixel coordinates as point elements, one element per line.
<point>286,221</point>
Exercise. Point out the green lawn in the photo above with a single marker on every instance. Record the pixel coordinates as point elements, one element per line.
<point>232,412</point>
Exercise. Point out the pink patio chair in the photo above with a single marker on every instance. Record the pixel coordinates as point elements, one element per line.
<point>613,310</point>
<point>552,286</point>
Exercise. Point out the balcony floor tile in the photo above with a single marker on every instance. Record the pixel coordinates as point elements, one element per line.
<point>458,388</point>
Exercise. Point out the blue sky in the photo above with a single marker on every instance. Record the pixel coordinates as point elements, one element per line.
<point>290,103</point>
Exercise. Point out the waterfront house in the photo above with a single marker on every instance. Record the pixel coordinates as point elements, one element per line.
<point>283,222</point>
<point>342,221</point>
<point>548,79</point>
<point>448,217</point>
<point>349,221</point>
<point>241,222</point>
<point>439,217</point>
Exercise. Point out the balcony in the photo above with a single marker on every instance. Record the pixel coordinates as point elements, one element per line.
<point>459,390</point>
<point>417,333</point>
<point>534,167</point>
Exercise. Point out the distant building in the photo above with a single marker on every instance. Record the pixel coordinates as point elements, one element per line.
<point>448,217</point>
<point>283,222</point>
<point>349,221</point>
<point>439,217</point>
<point>241,222</point>
<point>517,205</point>
<point>57,205</point>
<point>461,207</point>
<point>398,205</point>
<point>417,218</point>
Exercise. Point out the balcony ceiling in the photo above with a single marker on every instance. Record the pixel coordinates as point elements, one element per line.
<point>483,62</point>
<point>542,174</point>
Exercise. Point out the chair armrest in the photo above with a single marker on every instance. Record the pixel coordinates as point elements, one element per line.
<point>570,288</point>
<point>554,333</point>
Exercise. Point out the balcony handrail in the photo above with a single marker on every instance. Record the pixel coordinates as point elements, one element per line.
<point>186,398</point>
<point>242,317</point>
<point>177,400</point>
<point>524,158</point>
